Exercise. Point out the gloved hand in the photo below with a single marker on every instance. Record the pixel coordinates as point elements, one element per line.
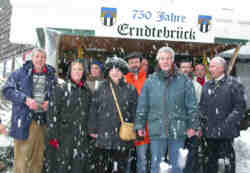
<point>54,143</point>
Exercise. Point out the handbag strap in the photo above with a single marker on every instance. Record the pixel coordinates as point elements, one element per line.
<point>116,103</point>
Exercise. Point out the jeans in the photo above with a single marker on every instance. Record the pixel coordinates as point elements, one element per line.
<point>159,148</point>
<point>141,158</point>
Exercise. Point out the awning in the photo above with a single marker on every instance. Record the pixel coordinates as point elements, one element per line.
<point>244,53</point>
<point>219,40</point>
<point>71,39</point>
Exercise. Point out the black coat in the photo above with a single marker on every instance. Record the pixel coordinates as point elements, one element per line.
<point>223,106</point>
<point>68,124</point>
<point>104,118</point>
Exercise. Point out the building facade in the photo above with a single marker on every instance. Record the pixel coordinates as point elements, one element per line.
<point>8,50</point>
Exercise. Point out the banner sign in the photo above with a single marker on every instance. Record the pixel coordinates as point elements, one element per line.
<point>153,24</point>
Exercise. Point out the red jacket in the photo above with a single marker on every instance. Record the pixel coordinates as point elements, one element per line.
<point>138,84</point>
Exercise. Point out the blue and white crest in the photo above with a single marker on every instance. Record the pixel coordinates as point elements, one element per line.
<point>108,16</point>
<point>204,22</point>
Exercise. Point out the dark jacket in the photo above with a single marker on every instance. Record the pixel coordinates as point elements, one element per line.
<point>17,88</point>
<point>169,105</point>
<point>68,125</point>
<point>223,106</point>
<point>104,118</point>
<point>94,82</point>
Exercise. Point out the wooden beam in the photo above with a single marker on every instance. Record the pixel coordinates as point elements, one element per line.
<point>233,59</point>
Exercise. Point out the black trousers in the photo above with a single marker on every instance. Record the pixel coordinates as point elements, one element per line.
<point>220,149</point>
<point>192,163</point>
<point>108,159</point>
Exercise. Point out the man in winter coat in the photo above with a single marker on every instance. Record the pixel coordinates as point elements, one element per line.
<point>137,77</point>
<point>168,103</point>
<point>223,106</point>
<point>29,89</point>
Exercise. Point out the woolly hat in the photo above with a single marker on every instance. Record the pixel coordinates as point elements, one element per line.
<point>100,65</point>
<point>117,63</point>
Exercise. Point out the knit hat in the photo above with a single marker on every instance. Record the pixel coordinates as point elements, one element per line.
<point>117,63</point>
<point>100,65</point>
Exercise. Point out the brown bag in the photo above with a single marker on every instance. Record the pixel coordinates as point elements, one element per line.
<point>126,132</point>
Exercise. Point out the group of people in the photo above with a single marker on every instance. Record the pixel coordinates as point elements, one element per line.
<point>74,127</point>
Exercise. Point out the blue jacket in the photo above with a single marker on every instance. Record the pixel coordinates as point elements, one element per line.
<point>169,105</point>
<point>17,88</point>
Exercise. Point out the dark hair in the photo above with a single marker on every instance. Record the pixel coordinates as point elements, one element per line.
<point>133,55</point>
<point>185,61</point>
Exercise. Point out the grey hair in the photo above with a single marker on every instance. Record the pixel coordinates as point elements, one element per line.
<point>35,50</point>
<point>166,50</point>
<point>221,61</point>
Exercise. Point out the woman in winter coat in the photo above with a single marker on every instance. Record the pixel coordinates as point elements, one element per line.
<point>104,121</point>
<point>68,149</point>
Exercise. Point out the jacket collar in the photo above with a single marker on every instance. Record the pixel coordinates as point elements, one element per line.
<point>121,82</point>
<point>219,78</point>
<point>28,67</point>
<point>220,81</point>
<point>167,75</point>
<point>44,71</point>
<point>141,74</point>
<point>91,78</point>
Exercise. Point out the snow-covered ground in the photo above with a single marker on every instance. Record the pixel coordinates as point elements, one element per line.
<point>242,149</point>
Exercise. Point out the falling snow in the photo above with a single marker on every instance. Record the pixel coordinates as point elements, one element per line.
<point>241,145</point>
